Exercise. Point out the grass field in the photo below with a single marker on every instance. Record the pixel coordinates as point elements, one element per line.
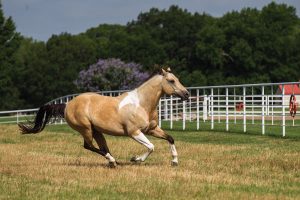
<point>213,165</point>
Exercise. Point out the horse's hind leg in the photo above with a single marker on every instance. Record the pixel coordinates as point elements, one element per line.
<point>100,139</point>
<point>87,134</point>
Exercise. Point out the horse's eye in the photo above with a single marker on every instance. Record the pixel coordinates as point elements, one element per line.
<point>171,81</point>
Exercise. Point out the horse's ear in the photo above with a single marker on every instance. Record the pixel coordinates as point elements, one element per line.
<point>169,69</point>
<point>163,72</point>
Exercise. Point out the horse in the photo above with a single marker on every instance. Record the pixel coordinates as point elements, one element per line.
<point>132,114</point>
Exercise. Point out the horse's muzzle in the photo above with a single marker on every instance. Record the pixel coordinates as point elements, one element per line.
<point>184,95</point>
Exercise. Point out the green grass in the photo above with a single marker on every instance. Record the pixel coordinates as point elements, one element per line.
<point>14,119</point>
<point>252,129</point>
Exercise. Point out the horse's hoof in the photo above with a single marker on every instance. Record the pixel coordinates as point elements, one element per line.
<point>112,164</point>
<point>135,160</point>
<point>174,164</point>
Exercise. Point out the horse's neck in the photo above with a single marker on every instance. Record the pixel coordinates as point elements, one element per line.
<point>150,93</point>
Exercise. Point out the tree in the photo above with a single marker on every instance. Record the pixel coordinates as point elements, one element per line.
<point>67,56</point>
<point>33,73</point>
<point>173,33</point>
<point>280,23</point>
<point>9,42</point>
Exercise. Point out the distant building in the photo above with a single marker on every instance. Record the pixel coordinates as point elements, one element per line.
<point>288,91</point>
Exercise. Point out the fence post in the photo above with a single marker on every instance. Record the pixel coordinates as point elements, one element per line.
<point>244,108</point>
<point>17,117</point>
<point>177,118</point>
<point>166,108</point>
<point>183,115</point>
<point>252,105</point>
<point>171,112</point>
<point>283,111</point>
<point>61,119</point>
<point>227,120</point>
<point>190,105</point>
<point>263,110</point>
<point>219,117</point>
<point>205,100</point>
<point>212,108</point>
<point>272,110</point>
<point>159,113</point>
<point>234,100</point>
<point>197,112</point>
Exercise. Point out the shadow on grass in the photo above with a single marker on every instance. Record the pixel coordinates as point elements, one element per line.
<point>78,163</point>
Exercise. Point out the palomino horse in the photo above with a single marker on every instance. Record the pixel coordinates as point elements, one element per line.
<point>131,114</point>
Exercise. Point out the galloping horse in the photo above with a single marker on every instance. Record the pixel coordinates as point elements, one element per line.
<point>131,114</point>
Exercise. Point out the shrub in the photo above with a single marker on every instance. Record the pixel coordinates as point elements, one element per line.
<point>111,74</point>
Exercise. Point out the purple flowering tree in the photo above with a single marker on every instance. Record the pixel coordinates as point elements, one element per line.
<point>111,74</point>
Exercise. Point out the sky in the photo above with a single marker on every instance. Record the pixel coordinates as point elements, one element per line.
<point>39,19</point>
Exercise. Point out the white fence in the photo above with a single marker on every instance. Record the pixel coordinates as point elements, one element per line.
<point>16,116</point>
<point>226,107</point>
<point>262,105</point>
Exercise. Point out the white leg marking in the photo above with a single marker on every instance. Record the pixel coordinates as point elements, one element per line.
<point>141,138</point>
<point>110,158</point>
<point>174,153</point>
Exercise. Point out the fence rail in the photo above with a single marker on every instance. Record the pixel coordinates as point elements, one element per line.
<point>260,104</point>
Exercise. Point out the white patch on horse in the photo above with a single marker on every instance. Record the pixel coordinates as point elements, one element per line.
<point>132,98</point>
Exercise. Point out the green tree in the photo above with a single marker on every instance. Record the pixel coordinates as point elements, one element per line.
<point>279,22</point>
<point>67,55</point>
<point>173,32</point>
<point>32,69</point>
<point>110,40</point>
<point>9,42</point>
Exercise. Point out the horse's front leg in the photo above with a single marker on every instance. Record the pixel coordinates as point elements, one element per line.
<point>141,138</point>
<point>159,133</point>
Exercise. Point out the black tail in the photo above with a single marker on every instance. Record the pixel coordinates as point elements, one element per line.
<point>45,113</point>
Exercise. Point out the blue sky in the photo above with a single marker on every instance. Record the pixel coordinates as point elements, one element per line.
<point>40,19</point>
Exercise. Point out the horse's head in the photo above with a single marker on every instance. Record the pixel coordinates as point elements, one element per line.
<point>172,86</point>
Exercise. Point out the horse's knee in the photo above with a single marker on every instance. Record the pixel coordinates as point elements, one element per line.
<point>151,126</point>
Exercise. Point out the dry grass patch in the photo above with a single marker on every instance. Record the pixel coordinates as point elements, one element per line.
<point>53,165</point>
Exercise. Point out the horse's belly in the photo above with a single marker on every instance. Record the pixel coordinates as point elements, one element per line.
<point>109,128</point>
<point>108,122</point>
